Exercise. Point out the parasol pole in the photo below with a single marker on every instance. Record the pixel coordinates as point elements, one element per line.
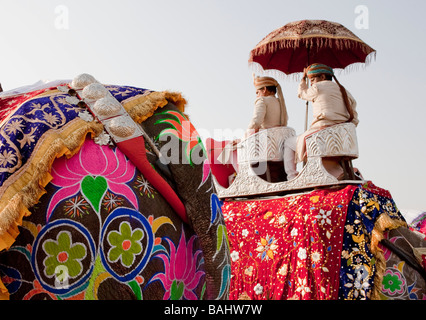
<point>307,102</point>
<point>306,116</point>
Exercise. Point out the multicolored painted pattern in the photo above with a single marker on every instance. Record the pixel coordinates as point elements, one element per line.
<point>27,117</point>
<point>102,231</point>
<point>93,230</point>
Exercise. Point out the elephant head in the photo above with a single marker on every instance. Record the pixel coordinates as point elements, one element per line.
<point>80,219</point>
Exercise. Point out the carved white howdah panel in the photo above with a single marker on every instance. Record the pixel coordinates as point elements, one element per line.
<point>335,141</point>
<point>265,145</point>
<point>268,145</point>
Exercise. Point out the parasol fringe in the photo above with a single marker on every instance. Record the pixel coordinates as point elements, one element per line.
<point>320,42</point>
<point>274,73</point>
<point>357,66</point>
<point>297,76</point>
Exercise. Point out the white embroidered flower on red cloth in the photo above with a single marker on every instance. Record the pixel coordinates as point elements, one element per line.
<point>244,233</point>
<point>301,254</point>
<point>258,289</point>
<point>302,286</point>
<point>235,256</point>
<point>324,217</point>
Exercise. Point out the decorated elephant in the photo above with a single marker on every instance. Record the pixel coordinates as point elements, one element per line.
<point>90,209</point>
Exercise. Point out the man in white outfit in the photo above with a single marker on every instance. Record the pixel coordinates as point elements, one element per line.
<point>332,104</point>
<point>269,111</point>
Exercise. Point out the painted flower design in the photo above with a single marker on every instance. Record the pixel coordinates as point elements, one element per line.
<point>92,171</point>
<point>266,248</point>
<point>144,187</point>
<point>393,283</point>
<point>126,244</point>
<point>62,252</point>
<point>76,207</point>
<point>181,275</point>
<point>183,129</point>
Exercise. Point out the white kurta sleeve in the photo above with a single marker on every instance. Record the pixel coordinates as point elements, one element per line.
<point>352,102</point>
<point>306,93</point>
<point>258,114</point>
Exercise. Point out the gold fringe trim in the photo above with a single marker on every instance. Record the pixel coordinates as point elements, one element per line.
<point>383,223</point>
<point>28,188</point>
<point>29,182</point>
<point>142,107</point>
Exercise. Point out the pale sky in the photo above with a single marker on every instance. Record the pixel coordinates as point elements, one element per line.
<point>201,49</point>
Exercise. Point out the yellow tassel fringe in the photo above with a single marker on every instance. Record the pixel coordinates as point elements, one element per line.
<point>383,223</point>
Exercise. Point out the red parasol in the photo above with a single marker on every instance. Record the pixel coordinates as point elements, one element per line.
<point>294,46</point>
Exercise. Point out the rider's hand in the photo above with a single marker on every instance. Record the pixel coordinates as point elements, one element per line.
<point>305,73</point>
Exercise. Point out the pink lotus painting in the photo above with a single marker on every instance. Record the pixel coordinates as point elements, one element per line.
<point>93,171</point>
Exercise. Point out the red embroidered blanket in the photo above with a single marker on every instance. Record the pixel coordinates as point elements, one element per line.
<point>288,247</point>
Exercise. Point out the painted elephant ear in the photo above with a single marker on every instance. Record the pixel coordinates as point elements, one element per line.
<point>182,148</point>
